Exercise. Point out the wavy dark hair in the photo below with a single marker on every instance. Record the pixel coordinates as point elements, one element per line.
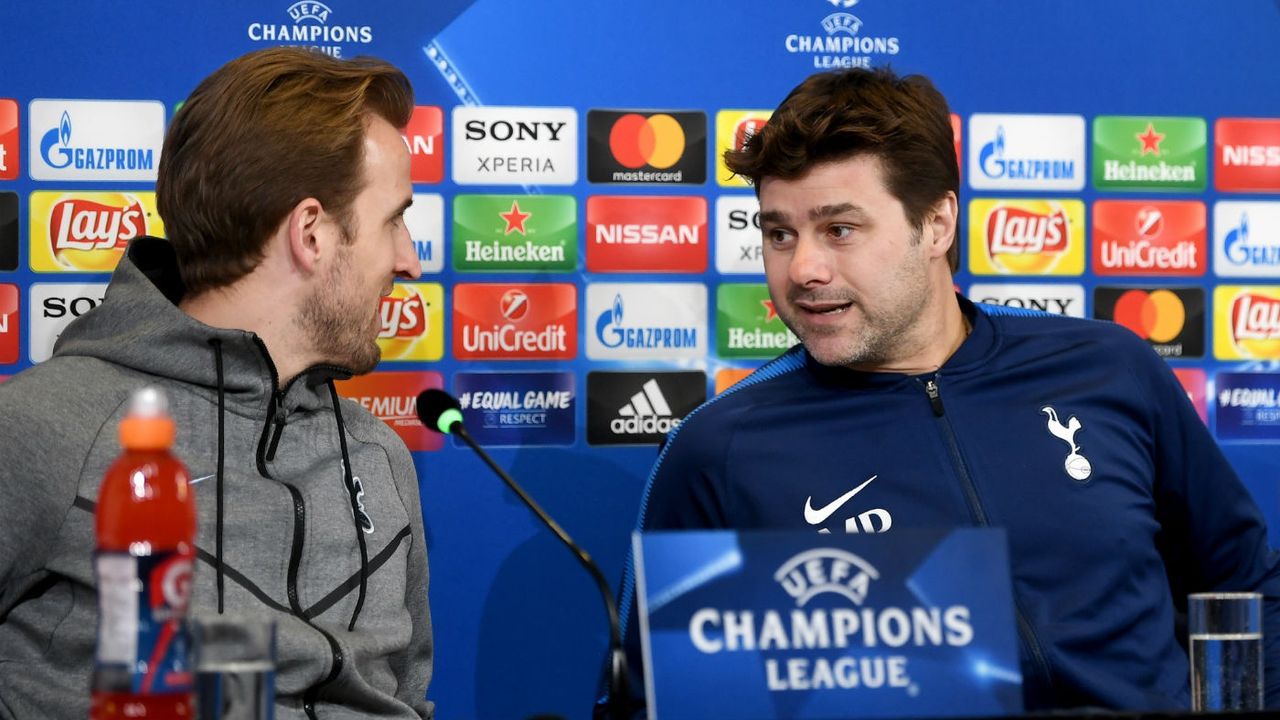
<point>902,121</point>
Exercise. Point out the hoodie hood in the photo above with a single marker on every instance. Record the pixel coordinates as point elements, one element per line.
<point>173,345</point>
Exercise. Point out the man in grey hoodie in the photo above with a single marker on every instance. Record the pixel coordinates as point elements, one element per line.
<point>282,184</point>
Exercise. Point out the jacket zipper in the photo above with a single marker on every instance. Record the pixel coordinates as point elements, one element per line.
<point>295,559</point>
<point>1025,630</point>
<point>266,453</point>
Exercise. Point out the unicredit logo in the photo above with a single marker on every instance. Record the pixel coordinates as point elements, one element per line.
<point>504,322</point>
<point>514,305</point>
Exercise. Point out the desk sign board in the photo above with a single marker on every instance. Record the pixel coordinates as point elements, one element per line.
<point>918,623</point>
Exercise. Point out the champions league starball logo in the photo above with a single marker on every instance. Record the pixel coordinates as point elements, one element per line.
<point>832,647</point>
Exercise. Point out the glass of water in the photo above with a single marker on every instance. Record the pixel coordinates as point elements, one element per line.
<point>235,667</point>
<point>1226,651</point>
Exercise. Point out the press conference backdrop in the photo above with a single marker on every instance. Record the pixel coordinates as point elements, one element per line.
<point>590,271</point>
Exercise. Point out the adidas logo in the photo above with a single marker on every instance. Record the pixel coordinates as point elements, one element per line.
<point>647,412</point>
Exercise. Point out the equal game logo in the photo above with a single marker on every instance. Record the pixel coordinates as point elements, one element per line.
<point>739,243</point>
<point>1170,319</point>
<point>657,321</point>
<point>424,136</point>
<point>1248,407</point>
<point>496,145</point>
<point>1149,153</point>
<point>1026,152</point>
<point>653,147</point>
<point>1026,237</point>
<point>1059,299</point>
<point>1194,382</point>
<point>1246,155</point>
<point>747,324</point>
<point>733,128</point>
<point>637,408</point>
<point>1247,326</point>
<point>518,409</point>
<point>425,221</point>
<point>1143,237</point>
<point>392,398</point>
<point>646,234</point>
<point>1246,239</point>
<point>10,324</point>
<point>8,231</point>
<point>51,309</point>
<point>102,140</point>
<point>530,233</point>
<point>88,232</point>
<point>412,322</point>
<point>499,321</point>
<point>10,155</point>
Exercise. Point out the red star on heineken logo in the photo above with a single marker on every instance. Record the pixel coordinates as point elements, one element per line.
<point>770,311</point>
<point>515,219</point>
<point>1150,140</point>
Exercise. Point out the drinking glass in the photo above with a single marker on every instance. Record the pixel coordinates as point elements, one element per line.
<point>235,667</point>
<point>1226,651</point>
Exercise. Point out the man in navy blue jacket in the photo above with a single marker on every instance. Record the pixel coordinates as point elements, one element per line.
<point>907,405</point>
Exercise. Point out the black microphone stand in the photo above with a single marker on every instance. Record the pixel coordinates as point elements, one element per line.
<point>619,695</point>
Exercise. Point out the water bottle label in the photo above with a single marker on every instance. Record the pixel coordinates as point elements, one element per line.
<point>142,603</point>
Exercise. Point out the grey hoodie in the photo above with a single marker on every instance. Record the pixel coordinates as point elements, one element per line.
<point>347,588</point>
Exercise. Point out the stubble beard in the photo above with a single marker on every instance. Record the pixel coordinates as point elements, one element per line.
<point>340,324</point>
<point>880,335</point>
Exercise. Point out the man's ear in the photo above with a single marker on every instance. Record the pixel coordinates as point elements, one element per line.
<point>942,220</point>
<point>304,229</point>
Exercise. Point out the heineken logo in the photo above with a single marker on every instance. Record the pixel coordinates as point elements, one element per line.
<point>747,323</point>
<point>1149,153</point>
<point>516,233</point>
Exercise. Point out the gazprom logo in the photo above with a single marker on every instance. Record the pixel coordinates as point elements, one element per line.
<point>95,139</point>
<point>993,164</point>
<point>1026,152</point>
<point>1241,252</point>
<point>609,325</point>
<point>826,570</point>
<point>58,135</point>
<point>58,153</point>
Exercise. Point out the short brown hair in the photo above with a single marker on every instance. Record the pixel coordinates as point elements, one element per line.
<point>902,121</point>
<point>262,133</point>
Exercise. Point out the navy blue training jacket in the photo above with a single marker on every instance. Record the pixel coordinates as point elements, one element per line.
<point>1070,434</point>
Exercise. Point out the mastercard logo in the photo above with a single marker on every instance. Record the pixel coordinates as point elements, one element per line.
<point>1171,319</point>
<point>1158,315</point>
<point>655,140</point>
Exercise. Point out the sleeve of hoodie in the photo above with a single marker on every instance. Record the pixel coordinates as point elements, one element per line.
<point>1213,535</point>
<point>415,669</point>
<point>43,442</point>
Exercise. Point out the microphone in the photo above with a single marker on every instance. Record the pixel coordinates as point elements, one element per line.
<point>439,411</point>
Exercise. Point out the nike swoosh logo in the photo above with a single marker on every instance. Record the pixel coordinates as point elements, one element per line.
<point>819,516</point>
<point>193,481</point>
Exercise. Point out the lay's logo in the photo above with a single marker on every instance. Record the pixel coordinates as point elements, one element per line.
<point>1248,323</point>
<point>88,232</point>
<point>1026,237</point>
<point>412,322</point>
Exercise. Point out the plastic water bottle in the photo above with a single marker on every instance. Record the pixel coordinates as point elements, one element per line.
<point>145,524</point>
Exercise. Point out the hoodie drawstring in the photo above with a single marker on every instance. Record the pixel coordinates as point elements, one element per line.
<point>355,505</point>
<point>217,362</point>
